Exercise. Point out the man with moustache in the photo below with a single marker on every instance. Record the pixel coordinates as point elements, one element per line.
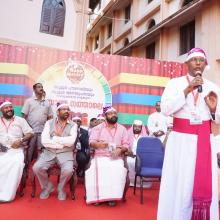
<point>14,132</point>
<point>58,137</point>
<point>105,179</point>
<point>157,123</point>
<point>136,131</point>
<point>189,178</point>
<point>36,111</point>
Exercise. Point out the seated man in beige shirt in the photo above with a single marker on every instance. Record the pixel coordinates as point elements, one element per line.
<point>58,138</point>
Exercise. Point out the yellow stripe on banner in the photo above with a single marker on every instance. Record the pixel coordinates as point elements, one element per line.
<point>14,68</point>
<point>139,79</point>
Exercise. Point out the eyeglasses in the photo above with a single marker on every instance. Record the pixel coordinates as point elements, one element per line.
<point>197,60</point>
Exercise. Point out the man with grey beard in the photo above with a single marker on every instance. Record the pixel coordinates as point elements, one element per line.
<point>58,137</point>
<point>14,132</point>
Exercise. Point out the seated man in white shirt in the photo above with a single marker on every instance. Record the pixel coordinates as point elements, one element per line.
<point>14,131</point>
<point>157,123</point>
<point>58,137</point>
<point>136,131</point>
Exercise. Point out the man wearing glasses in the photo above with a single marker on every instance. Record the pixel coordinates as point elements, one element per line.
<point>58,137</point>
<point>189,177</point>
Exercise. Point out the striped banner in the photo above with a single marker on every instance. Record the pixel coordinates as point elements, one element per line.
<point>136,83</point>
<point>135,95</point>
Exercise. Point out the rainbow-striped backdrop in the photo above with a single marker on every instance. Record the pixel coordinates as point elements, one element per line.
<point>136,83</point>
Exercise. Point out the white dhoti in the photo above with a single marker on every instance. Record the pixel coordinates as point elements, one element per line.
<point>11,169</point>
<point>175,201</point>
<point>131,168</point>
<point>105,180</point>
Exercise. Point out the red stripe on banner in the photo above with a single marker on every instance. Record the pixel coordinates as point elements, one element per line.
<point>16,100</point>
<point>14,79</point>
<point>137,89</point>
<point>134,109</point>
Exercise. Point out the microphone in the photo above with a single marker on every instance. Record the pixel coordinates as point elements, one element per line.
<point>198,73</point>
<point>200,89</point>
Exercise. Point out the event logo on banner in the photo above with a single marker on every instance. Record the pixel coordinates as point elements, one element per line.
<point>80,85</point>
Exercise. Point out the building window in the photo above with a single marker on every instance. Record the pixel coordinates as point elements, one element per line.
<point>127,13</point>
<point>109,30</point>
<point>187,2</point>
<point>187,37</point>
<point>95,5</point>
<point>126,42</point>
<point>53,17</point>
<point>96,42</point>
<point>152,23</point>
<point>150,51</point>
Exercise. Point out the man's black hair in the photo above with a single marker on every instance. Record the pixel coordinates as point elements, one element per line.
<point>35,85</point>
<point>93,119</point>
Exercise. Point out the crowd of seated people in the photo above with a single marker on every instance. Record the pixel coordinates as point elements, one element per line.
<point>55,138</point>
<point>100,150</point>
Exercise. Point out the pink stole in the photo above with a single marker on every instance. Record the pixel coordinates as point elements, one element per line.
<point>202,189</point>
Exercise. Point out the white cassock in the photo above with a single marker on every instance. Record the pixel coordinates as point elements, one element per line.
<point>175,199</point>
<point>12,161</point>
<point>157,122</point>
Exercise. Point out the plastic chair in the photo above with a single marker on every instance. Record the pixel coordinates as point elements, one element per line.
<point>149,161</point>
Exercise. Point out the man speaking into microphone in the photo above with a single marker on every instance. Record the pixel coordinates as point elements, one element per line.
<point>188,187</point>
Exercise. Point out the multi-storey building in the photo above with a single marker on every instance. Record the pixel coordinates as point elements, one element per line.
<point>49,23</point>
<point>156,29</point>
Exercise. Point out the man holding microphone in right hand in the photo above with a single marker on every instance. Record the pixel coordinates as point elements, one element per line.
<point>189,178</point>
